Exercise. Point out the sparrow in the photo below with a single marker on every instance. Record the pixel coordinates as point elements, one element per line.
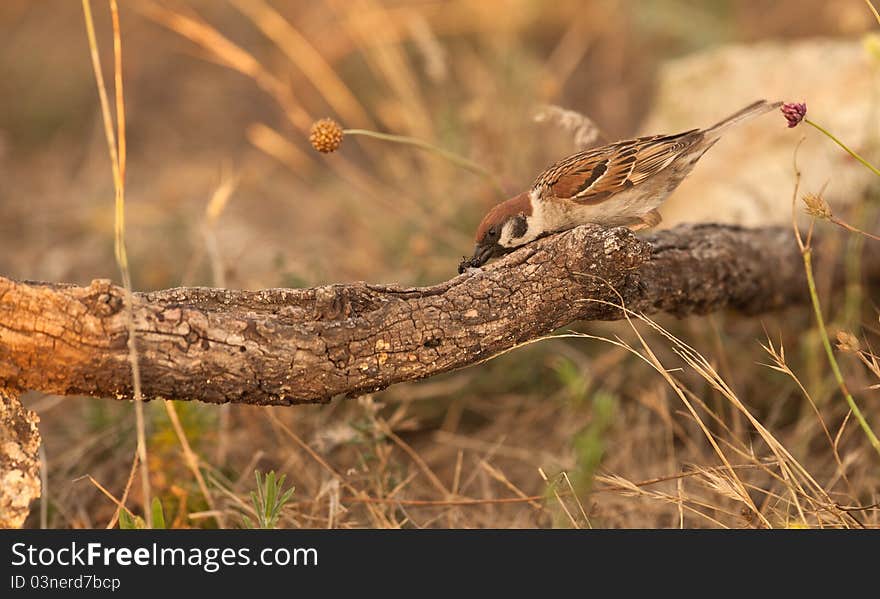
<point>619,184</point>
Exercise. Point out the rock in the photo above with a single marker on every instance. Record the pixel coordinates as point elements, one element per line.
<point>747,177</point>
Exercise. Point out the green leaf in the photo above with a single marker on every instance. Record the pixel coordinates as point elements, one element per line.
<point>158,514</point>
<point>268,499</point>
<point>127,521</point>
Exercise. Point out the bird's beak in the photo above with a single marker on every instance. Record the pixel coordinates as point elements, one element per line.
<point>482,253</point>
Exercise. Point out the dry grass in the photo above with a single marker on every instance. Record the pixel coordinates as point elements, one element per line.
<point>718,421</point>
<point>117,150</point>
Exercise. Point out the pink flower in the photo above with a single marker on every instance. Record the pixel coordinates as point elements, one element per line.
<point>794,112</point>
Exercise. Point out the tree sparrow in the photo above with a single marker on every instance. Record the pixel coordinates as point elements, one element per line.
<point>620,184</point>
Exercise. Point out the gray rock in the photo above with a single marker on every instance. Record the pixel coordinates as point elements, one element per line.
<point>747,178</point>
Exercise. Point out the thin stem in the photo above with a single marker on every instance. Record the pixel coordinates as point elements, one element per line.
<point>192,461</point>
<point>807,254</point>
<point>873,10</point>
<point>117,153</point>
<point>450,156</point>
<point>122,261</point>
<point>844,146</point>
<point>852,229</point>
<point>826,342</point>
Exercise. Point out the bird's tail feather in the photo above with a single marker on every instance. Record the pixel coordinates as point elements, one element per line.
<point>750,111</point>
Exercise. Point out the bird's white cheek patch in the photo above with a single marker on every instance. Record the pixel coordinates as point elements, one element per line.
<point>506,238</point>
<point>537,223</point>
<point>535,226</point>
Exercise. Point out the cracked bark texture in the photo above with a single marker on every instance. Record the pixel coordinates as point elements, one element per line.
<point>19,460</point>
<point>284,346</point>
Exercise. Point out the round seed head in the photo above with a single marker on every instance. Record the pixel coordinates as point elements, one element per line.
<point>817,206</point>
<point>326,135</point>
<point>848,342</point>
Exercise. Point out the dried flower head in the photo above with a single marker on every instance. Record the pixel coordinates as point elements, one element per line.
<point>817,206</point>
<point>794,112</point>
<point>584,130</point>
<point>326,135</point>
<point>847,342</point>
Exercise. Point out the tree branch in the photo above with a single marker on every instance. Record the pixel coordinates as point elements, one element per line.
<point>19,460</point>
<point>283,346</point>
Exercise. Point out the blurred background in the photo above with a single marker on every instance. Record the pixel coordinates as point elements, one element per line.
<point>223,189</point>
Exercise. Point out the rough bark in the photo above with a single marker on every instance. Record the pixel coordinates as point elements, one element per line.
<point>283,346</point>
<point>19,460</point>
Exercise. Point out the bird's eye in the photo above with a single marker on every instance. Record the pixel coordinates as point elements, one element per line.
<point>492,232</point>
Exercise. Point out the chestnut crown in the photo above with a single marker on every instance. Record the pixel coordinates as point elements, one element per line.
<point>492,226</point>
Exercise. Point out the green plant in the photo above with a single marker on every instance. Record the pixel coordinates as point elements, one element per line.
<point>807,253</point>
<point>589,443</point>
<point>128,521</point>
<point>268,500</point>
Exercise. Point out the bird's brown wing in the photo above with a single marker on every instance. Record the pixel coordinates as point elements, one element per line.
<point>594,175</point>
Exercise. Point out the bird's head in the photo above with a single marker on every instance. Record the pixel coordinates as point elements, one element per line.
<point>502,229</point>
